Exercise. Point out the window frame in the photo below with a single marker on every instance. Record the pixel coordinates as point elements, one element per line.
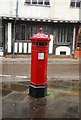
<point>23,32</point>
<point>46,3</point>
<point>75,3</point>
<point>40,2</point>
<point>34,2</point>
<point>28,1</point>
<point>78,3</point>
<point>37,3</point>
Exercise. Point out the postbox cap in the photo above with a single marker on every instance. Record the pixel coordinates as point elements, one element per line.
<point>40,37</point>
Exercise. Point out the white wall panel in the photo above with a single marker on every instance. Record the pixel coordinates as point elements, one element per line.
<point>25,48</point>
<point>74,39</point>
<point>20,47</point>
<point>16,47</point>
<point>63,11</point>
<point>51,45</point>
<point>9,37</point>
<point>29,47</point>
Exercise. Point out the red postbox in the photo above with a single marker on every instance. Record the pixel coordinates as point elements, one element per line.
<point>39,55</point>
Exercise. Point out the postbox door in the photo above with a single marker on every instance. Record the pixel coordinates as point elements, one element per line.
<point>41,68</point>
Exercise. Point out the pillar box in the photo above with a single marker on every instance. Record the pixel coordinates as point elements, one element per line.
<point>39,55</point>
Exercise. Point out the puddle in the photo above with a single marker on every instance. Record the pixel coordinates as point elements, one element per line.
<point>66,94</point>
<point>26,83</point>
<point>73,109</point>
<point>76,90</point>
<point>8,87</point>
<point>5,92</point>
<point>14,87</point>
<point>65,85</point>
<point>18,87</point>
<point>36,103</point>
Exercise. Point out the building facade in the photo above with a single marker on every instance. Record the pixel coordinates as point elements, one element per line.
<point>20,19</point>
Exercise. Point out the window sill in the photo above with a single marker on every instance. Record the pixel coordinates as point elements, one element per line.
<point>74,7</point>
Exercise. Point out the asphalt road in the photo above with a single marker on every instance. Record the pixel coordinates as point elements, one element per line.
<point>57,69</point>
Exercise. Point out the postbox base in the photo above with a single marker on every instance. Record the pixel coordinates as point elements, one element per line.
<point>38,91</point>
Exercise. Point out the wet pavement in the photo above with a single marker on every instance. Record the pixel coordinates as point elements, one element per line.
<point>62,101</point>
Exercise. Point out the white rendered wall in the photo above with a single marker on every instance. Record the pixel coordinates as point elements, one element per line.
<point>29,11</point>
<point>7,8</point>
<point>58,10</point>
<point>63,11</point>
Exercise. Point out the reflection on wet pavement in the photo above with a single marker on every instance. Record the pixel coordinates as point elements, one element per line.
<point>62,100</point>
<point>5,92</point>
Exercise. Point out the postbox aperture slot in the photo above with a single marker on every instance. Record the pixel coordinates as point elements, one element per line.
<point>41,43</point>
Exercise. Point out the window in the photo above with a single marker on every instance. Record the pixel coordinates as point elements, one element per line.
<point>20,32</point>
<point>75,3</point>
<point>34,1</point>
<point>28,1</point>
<point>62,52</point>
<point>46,2</point>
<point>78,3</point>
<point>38,2</point>
<point>72,4</point>
<point>23,27</point>
<point>63,34</point>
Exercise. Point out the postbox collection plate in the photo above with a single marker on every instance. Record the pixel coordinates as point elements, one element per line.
<point>40,56</point>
